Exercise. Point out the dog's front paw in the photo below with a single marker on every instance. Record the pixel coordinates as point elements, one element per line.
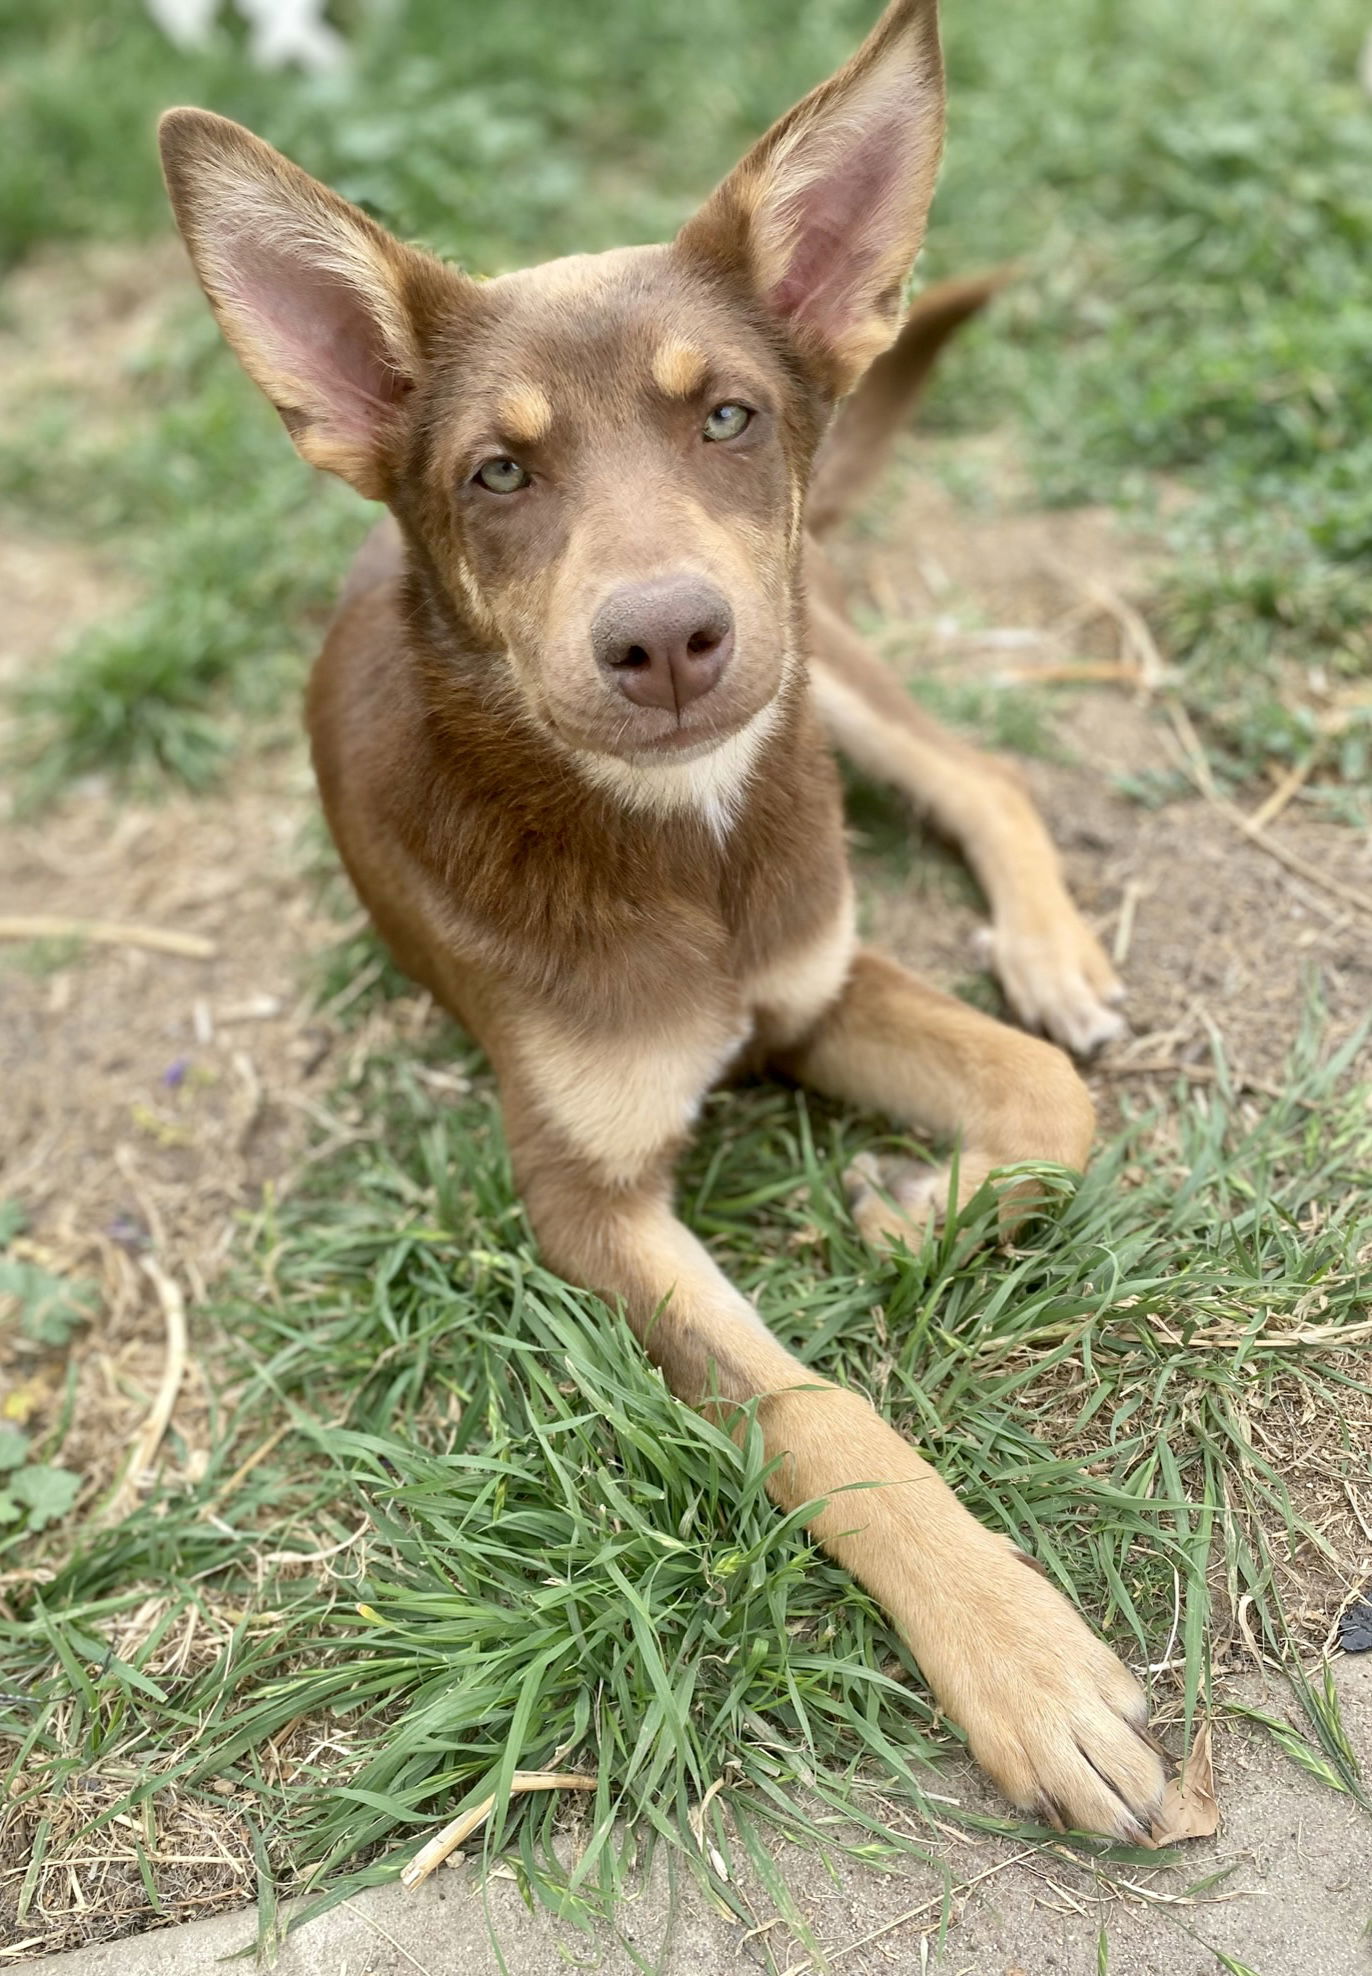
<point>894,1201</point>
<point>1058,981</point>
<point>900,1201</point>
<point>1056,1720</point>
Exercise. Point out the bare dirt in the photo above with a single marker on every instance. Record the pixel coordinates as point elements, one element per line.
<point>148,1098</point>
<point>1281,1890</point>
<point>1217,937</point>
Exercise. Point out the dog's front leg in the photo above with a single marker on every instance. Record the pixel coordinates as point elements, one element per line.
<point>1054,971</point>
<point>1051,1715</point>
<point>893,1044</point>
<point>1050,1712</point>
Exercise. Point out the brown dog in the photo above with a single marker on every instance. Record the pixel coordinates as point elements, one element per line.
<point>567,726</point>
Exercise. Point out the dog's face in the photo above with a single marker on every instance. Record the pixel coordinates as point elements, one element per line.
<point>601,462</point>
<point>606,467</point>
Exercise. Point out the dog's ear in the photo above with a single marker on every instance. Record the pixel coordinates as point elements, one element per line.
<point>322,307</point>
<point>825,215</point>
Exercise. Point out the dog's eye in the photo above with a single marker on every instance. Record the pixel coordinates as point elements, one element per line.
<point>727,421</point>
<point>502,476</point>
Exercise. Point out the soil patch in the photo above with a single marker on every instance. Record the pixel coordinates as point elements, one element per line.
<point>1218,940</point>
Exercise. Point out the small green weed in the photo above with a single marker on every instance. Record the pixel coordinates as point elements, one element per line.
<point>48,955</point>
<point>32,1493</point>
<point>39,1313</point>
<point>44,1309</point>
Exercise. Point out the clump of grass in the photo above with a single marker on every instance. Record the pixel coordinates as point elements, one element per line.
<point>536,130</point>
<point>235,547</point>
<point>517,1551</point>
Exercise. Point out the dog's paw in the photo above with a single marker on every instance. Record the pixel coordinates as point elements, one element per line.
<point>1054,1718</point>
<point>901,1200</point>
<point>1058,981</point>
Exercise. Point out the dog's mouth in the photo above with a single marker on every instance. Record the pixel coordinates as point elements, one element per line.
<point>649,741</point>
<point>681,744</point>
<point>609,728</point>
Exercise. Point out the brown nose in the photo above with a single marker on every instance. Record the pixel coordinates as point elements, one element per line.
<point>665,643</point>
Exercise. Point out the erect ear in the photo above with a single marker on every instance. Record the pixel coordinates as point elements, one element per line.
<point>324,310</point>
<point>825,215</point>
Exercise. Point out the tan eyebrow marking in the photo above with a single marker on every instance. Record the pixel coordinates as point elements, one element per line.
<point>678,369</point>
<point>525,414</point>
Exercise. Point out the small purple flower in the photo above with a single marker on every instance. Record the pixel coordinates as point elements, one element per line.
<point>175,1072</point>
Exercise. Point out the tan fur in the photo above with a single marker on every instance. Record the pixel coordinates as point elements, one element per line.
<point>898,66</point>
<point>856,447</point>
<point>622,1101</point>
<point>231,192</point>
<point>893,1044</point>
<point>1054,971</point>
<point>1050,1713</point>
<point>788,998</point>
<point>525,414</point>
<point>621,899</point>
<point>679,369</point>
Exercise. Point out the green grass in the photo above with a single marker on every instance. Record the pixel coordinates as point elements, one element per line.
<point>235,548</point>
<point>1194,220</point>
<point>536,1557</point>
<point>1196,215</point>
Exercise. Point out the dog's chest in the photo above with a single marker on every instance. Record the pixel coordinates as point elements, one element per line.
<point>785,992</point>
<point>624,1099</point>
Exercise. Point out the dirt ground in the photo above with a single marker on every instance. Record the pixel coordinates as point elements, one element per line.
<point>148,1098</point>
<point>1281,1890</point>
<point>1208,926</point>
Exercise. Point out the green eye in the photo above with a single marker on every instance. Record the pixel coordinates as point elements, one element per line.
<point>727,421</point>
<point>502,476</point>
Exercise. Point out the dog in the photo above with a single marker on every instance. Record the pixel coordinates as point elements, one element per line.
<point>569,731</point>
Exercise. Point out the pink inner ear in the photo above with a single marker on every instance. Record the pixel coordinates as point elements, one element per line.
<point>844,226</point>
<point>318,334</point>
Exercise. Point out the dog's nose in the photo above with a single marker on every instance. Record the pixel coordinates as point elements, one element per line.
<point>665,643</point>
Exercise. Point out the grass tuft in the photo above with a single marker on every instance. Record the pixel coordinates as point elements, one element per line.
<point>485,1538</point>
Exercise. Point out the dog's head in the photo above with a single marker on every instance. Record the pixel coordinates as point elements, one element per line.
<point>602,461</point>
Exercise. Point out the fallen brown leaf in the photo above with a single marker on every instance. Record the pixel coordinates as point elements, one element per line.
<point>1189,1809</point>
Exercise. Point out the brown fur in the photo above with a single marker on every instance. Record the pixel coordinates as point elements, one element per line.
<point>624,900</point>
<point>856,447</point>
